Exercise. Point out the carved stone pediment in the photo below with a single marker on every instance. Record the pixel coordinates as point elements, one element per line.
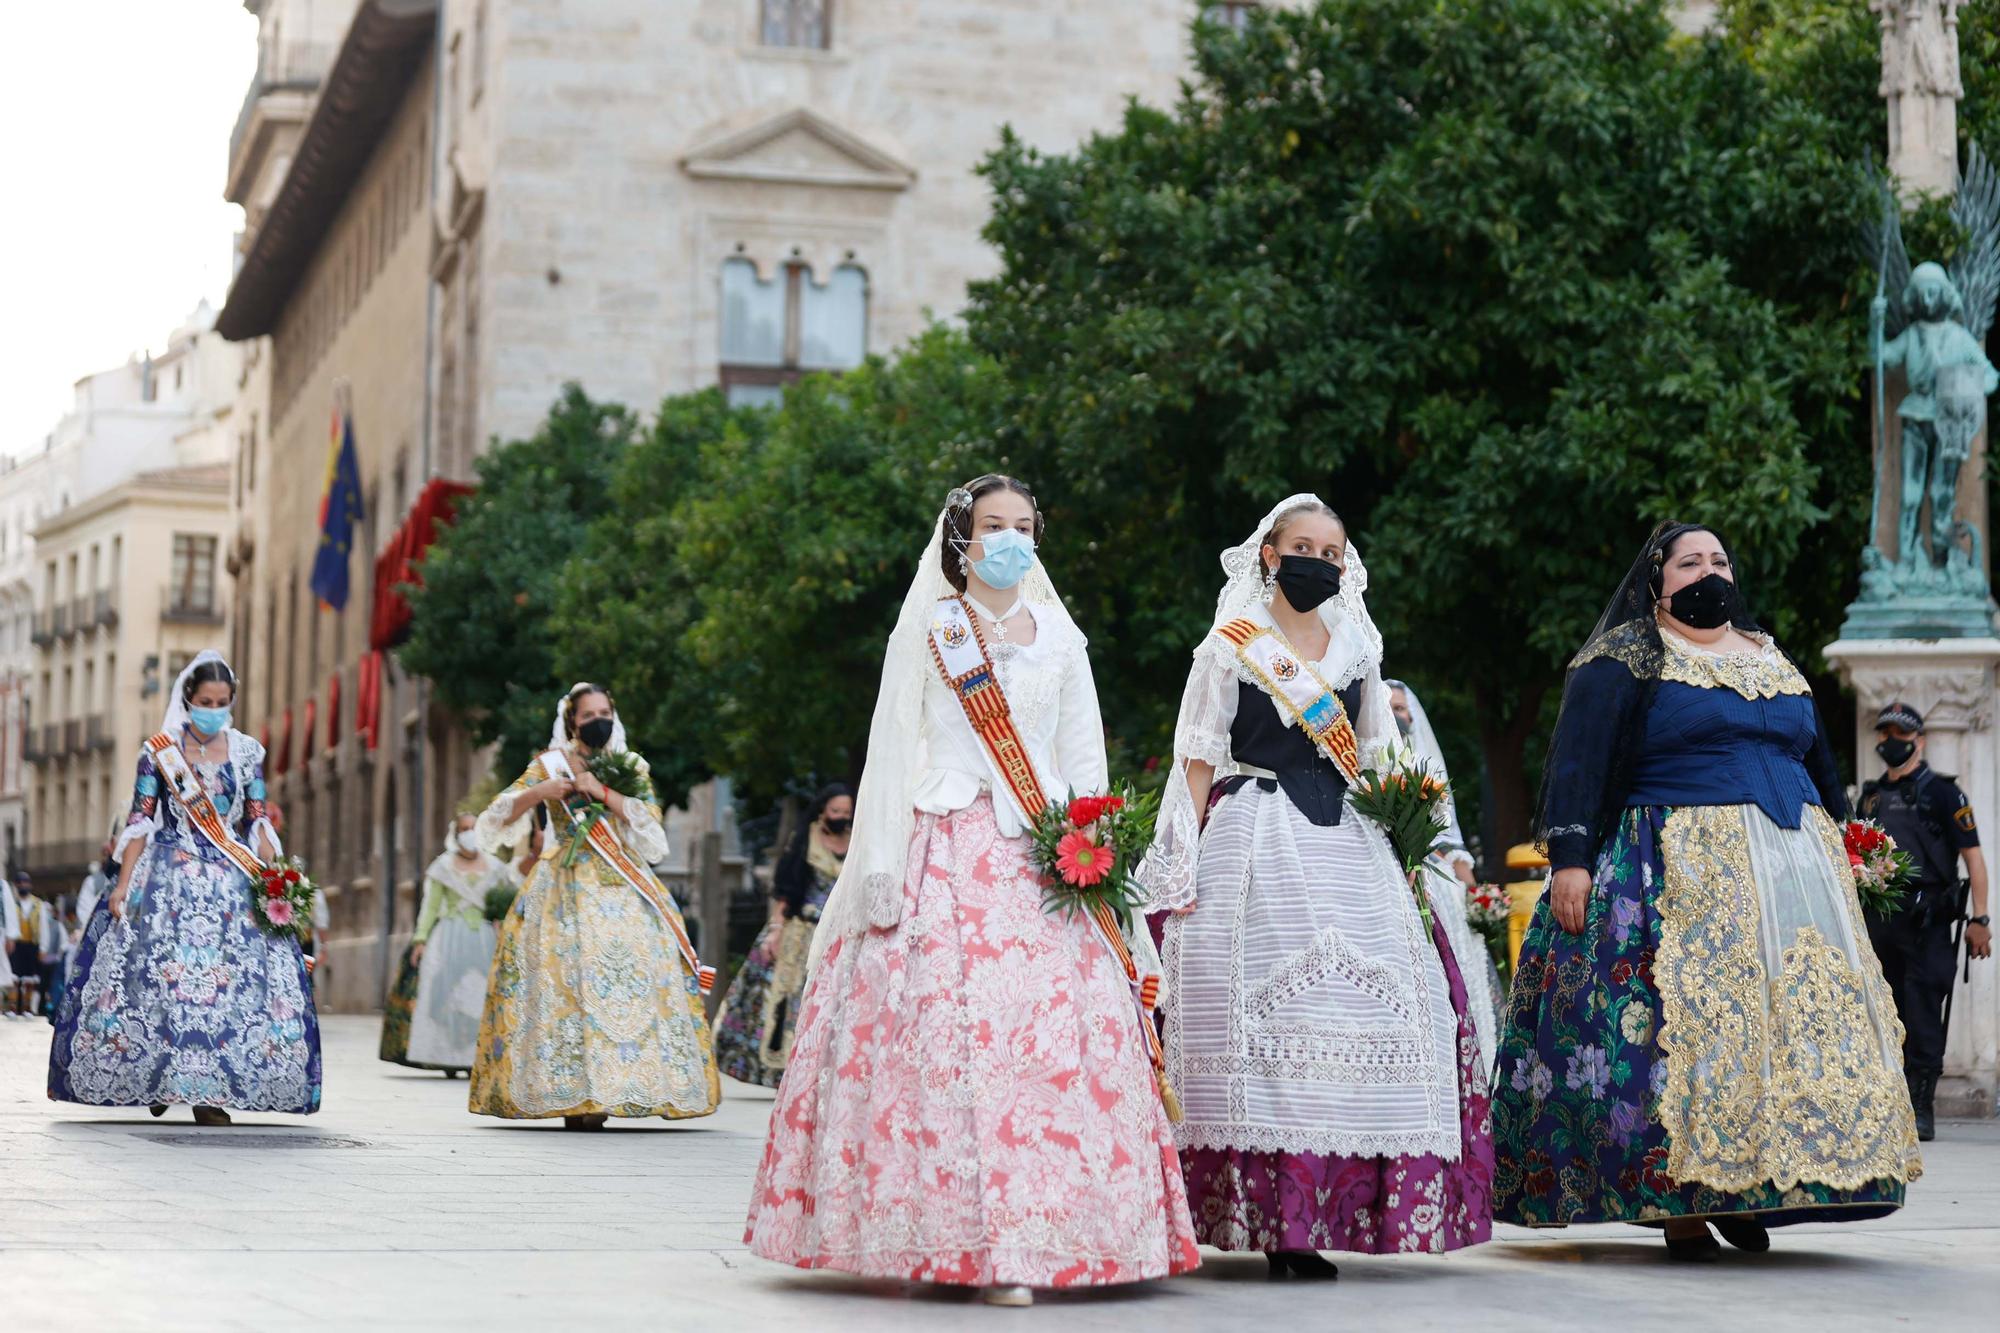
<point>798,147</point>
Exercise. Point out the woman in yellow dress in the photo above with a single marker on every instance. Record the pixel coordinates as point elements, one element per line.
<point>593,1006</point>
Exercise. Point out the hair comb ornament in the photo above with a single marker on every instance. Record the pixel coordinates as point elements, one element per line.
<point>960,498</point>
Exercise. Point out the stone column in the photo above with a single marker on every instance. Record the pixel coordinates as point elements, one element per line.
<point>1951,682</point>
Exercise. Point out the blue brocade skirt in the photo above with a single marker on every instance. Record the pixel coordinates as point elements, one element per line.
<point>187,1001</point>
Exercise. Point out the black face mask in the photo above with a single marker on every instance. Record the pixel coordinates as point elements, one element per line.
<point>1895,751</point>
<point>1710,602</point>
<point>838,826</point>
<point>595,733</point>
<point>1307,580</point>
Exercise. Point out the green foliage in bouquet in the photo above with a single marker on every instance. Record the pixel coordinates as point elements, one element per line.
<point>624,772</point>
<point>1407,801</point>
<point>500,901</point>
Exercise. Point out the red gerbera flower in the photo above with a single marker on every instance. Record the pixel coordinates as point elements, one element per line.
<point>1083,862</point>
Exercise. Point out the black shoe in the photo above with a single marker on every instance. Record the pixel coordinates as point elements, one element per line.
<point>1923,1094</point>
<point>1745,1233</point>
<point>157,1109</point>
<point>1301,1263</point>
<point>1700,1249</point>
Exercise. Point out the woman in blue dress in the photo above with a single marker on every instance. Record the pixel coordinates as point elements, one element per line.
<point>179,997</point>
<point>1699,1031</point>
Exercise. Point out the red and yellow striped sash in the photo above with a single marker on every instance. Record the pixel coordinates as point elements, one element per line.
<point>183,783</point>
<point>1285,675</point>
<point>978,692</point>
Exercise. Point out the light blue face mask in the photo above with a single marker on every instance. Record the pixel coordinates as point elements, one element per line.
<point>1009,556</point>
<point>209,721</point>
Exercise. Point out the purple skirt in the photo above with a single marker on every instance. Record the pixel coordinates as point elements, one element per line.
<point>1243,1200</point>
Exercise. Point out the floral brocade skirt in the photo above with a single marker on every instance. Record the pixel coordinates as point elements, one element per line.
<point>187,1001</point>
<point>589,1008</point>
<point>1717,1040</point>
<point>396,1010</point>
<point>758,1020</point>
<point>970,1098</point>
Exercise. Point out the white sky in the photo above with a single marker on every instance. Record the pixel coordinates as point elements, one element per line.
<point>114,134</point>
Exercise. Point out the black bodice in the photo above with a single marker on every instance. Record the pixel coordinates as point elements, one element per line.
<point>1263,737</point>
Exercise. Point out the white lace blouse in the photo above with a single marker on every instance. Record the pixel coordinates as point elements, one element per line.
<point>1054,702</point>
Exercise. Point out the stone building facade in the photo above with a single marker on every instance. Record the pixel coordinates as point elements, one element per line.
<point>488,198</point>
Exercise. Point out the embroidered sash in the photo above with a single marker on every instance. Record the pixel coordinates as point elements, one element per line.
<point>184,785</point>
<point>1309,700</point>
<point>606,844</point>
<point>958,648</point>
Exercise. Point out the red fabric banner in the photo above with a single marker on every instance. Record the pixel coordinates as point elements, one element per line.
<point>402,558</point>
<point>368,697</point>
<point>333,711</point>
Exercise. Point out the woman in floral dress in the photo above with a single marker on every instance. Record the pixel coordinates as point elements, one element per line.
<point>759,1017</point>
<point>970,1097</point>
<point>179,997</point>
<point>1318,1030</point>
<point>593,1006</point>
<point>1699,1031</point>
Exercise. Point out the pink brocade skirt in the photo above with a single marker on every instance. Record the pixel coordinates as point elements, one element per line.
<point>969,1098</point>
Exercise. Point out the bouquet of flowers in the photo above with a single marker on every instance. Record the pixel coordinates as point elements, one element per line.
<point>281,899</point>
<point>1086,850</point>
<point>500,901</point>
<point>1487,908</point>
<point>1882,870</point>
<point>622,771</point>
<point>1408,802</point>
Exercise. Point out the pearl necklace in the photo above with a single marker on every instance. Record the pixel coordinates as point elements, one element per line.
<point>999,622</point>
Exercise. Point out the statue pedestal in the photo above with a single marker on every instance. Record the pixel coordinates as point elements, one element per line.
<point>1917,619</point>
<point>1952,683</point>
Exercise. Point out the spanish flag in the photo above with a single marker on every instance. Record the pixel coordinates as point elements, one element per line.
<point>339,511</point>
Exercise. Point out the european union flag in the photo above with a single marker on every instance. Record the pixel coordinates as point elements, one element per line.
<point>339,511</point>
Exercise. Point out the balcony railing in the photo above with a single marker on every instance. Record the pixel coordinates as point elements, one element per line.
<point>63,627</point>
<point>190,609</point>
<point>97,731</point>
<point>44,632</point>
<point>83,615</point>
<point>31,745</point>
<point>51,739</point>
<point>285,67</point>
<point>73,736</point>
<point>104,607</point>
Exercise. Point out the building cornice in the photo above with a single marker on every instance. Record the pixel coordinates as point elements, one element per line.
<point>379,58</point>
<point>182,488</point>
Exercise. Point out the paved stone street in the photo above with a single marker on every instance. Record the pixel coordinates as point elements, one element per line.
<point>395,1209</point>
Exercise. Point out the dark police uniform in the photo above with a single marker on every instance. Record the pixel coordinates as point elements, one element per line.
<point>1931,819</point>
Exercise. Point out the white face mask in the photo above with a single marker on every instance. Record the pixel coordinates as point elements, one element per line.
<point>467,841</point>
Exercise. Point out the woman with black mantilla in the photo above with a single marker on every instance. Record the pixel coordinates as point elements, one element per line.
<point>1699,1031</point>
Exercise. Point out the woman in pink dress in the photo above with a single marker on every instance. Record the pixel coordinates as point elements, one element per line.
<point>971,1098</point>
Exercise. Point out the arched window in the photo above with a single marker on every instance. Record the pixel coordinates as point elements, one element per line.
<point>777,328</point>
<point>803,24</point>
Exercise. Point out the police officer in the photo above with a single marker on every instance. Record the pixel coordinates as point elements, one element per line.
<point>1931,819</point>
